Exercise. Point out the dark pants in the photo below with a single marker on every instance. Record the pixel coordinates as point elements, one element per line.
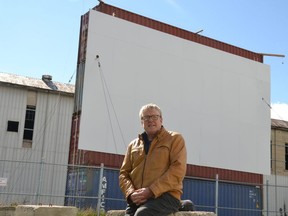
<point>161,206</point>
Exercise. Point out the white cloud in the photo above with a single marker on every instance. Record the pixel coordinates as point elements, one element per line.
<point>279,111</point>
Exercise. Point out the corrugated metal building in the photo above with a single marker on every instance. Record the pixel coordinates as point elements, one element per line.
<point>247,186</point>
<point>35,131</point>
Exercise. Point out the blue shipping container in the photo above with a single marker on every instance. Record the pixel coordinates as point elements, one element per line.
<point>233,199</point>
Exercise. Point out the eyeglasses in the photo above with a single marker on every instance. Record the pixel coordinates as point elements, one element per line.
<point>152,117</point>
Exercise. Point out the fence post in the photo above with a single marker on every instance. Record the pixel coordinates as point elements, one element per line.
<point>267,201</point>
<point>100,189</point>
<point>39,186</point>
<point>216,194</point>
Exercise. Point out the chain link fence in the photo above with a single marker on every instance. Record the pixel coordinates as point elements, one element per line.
<point>97,187</point>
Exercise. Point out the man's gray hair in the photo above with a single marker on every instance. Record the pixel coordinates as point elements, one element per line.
<point>149,106</point>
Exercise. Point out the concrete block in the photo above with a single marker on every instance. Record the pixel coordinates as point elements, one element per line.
<point>182,213</point>
<point>45,210</point>
<point>7,211</point>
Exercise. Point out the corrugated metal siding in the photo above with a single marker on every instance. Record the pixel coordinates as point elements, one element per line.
<point>238,200</point>
<point>114,198</point>
<point>201,192</point>
<point>85,182</point>
<point>233,199</point>
<point>41,169</point>
<point>141,20</point>
<point>109,160</point>
<point>11,100</point>
<point>76,186</point>
<point>115,161</point>
<point>224,174</point>
<point>275,194</point>
<point>52,126</point>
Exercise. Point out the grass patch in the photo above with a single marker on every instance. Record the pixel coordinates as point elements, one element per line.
<point>89,212</point>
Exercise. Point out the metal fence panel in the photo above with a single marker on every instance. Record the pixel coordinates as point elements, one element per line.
<point>275,195</point>
<point>98,187</point>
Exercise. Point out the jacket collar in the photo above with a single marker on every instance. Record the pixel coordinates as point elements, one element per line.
<point>159,135</point>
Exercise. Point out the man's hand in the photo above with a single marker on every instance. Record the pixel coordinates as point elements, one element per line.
<point>141,195</point>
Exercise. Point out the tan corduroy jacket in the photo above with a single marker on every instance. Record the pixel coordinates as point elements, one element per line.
<point>162,169</point>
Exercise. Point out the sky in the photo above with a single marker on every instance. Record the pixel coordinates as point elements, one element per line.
<point>41,36</point>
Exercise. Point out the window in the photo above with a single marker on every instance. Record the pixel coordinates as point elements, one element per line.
<point>286,156</point>
<point>29,123</point>
<point>271,158</point>
<point>12,126</point>
<point>29,119</point>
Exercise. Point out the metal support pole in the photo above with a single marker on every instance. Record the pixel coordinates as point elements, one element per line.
<point>100,189</point>
<point>216,194</point>
<point>267,197</point>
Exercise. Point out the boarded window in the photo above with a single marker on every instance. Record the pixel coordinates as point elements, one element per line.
<point>13,126</point>
<point>31,98</point>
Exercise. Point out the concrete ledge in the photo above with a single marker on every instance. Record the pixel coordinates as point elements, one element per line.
<point>38,210</point>
<point>7,211</point>
<point>182,213</point>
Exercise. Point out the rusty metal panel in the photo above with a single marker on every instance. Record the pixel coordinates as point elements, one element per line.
<point>74,137</point>
<point>83,38</point>
<point>224,174</point>
<point>114,161</point>
<point>109,160</point>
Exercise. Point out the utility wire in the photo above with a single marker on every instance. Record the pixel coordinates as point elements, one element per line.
<point>263,99</point>
<point>72,77</point>
<point>106,89</point>
<point>272,109</point>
